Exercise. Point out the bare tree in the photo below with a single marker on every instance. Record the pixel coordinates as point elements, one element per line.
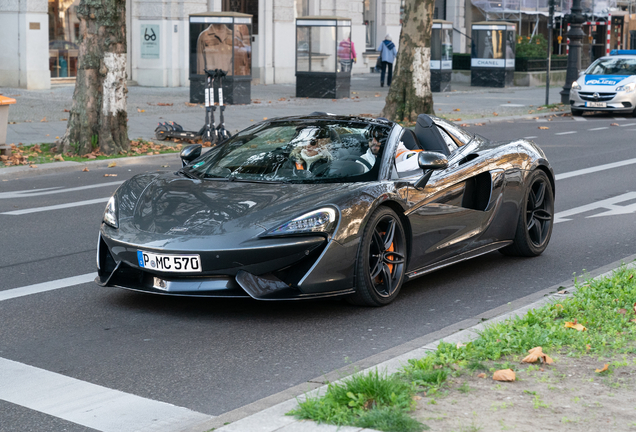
<point>410,92</point>
<point>98,115</point>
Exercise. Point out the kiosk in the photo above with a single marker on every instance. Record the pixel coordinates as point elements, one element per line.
<point>323,57</point>
<point>441,55</point>
<point>492,62</point>
<point>221,40</point>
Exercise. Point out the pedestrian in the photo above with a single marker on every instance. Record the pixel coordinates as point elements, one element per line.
<point>387,54</point>
<point>346,54</point>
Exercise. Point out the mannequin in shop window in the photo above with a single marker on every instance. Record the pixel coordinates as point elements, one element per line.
<point>214,49</point>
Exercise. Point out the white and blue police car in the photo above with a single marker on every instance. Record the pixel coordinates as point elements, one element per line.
<point>609,84</point>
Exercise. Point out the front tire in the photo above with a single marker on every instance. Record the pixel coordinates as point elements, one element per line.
<point>576,112</point>
<point>536,218</point>
<point>381,262</point>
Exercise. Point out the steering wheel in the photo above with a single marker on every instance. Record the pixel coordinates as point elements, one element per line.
<point>360,159</point>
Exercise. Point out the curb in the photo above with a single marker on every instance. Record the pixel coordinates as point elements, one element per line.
<point>24,171</point>
<point>273,418</point>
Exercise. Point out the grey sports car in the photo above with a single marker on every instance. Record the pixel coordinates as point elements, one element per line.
<point>322,206</point>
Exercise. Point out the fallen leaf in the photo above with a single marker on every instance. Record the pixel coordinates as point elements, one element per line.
<point>457,109</point>
<point>57,137</point>
<point>574,325</point>
<point>282,99</point>
<point>58,157</point>
<point>164,104</point>
<point>112,164</point>
<point>634,303</point>
<point>110,175</point>
<point>416,397</point>
<point>481,375</point>
<point>165,166</point>
<point>63,119</point>
<point>190,104</point>
<point>543,127</point>
<point>614,124</point>
<point>33,166</point>
<point>588,347</point>
<point>622,311</point>
<point>47,134</point>
<point>43,120</point>
<point>464,125</point>
<point>460,345</point>
<point>504,375</point>
<point>65,110</point>
<point>537,354</point>
<point>140,110</point>
<point>633,320</point>
<point>91,156</point>
<point>603,369</point>
<point>264,118</point>
<point>495,114</point>
<point>85,169</point>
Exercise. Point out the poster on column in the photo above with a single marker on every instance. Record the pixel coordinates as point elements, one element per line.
<point>150,41</point>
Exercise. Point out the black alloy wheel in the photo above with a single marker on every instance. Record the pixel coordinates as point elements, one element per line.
<point>536,218</point>
<point>381,260</point>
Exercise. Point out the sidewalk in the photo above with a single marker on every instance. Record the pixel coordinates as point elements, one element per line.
<point>41,115</point>
<point>274,418</point>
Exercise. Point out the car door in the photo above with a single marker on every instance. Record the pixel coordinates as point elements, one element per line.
<point>448,215</point>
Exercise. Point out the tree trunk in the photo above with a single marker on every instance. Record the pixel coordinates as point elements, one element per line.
<point>410,92</point>
<point>98,117</point>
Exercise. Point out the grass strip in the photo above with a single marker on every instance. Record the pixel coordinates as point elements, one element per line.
<point>606,307</point>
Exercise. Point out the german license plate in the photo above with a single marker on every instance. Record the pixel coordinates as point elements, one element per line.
<point>596,104</point>
<point>169,263</point>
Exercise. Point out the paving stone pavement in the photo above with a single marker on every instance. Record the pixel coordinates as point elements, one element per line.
<point>41,115</point>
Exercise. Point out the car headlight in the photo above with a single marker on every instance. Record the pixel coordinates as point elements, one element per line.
<point>627,88</point>
<point>110,213</point>
<point>575,86</point>
<point>318,221</point>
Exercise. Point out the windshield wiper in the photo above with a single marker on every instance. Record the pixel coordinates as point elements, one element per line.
<point>188,174</point>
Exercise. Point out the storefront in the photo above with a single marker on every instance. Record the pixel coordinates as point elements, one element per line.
<point>63,38</point>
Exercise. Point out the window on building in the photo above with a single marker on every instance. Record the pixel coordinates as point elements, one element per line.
<point>302,8</point>
<point>369,15</point>
<point>244,6</point>
<point>63,38</point>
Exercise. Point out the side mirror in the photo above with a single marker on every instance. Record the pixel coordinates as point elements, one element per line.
<point>190,153</point>
<point>429,161</point>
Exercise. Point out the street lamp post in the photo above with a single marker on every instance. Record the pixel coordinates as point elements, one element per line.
<point>575,34</point>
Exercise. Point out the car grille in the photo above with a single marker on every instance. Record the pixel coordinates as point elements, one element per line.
<point>602,97</point>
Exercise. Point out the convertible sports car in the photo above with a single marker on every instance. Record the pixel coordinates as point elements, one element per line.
<point>322,206</point>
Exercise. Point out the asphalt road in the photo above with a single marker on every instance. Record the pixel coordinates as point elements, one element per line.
<point>213,356</point>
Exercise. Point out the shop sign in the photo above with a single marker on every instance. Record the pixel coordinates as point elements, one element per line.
<point>150,41</point>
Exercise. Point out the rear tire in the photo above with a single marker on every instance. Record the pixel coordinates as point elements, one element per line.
<point>381,262</point>
<point>536,218</point>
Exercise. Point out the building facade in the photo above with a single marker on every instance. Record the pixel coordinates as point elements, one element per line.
<point>41,37</point>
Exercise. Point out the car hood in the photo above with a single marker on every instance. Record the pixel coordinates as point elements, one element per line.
<point>604,82</point>
<point>171,205</point>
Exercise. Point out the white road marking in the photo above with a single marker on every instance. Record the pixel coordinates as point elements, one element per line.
<point>55,207</point>
<point>53,190</point>
<point>628,124</point>
<point>599,128</point>
<point>579,118</point>
<point>595,169</point>
<point>46,286</point>
<point>565,133</point>
<point>541,120</point>
<point>511,105</point>
<point>610,204</point>
<point>620,118</point>
<point>90,405</point>
<point>530,137</point>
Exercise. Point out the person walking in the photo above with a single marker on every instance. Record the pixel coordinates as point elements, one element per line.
<point>387,54</point>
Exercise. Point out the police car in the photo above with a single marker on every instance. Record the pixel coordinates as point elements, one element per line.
<point>609,84</point>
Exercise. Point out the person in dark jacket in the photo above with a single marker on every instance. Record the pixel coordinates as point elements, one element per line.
<point>387,54</point>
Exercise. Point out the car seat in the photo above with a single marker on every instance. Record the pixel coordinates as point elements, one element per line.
<point>429,136</point>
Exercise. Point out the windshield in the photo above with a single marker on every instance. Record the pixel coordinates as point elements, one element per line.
<point>303,151</point>
<point>613,66</point>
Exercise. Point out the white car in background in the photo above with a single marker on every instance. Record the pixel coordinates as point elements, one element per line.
<point>609,84</point>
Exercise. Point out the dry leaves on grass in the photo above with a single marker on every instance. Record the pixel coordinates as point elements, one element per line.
<point>481,375</point>
<point>575,326</point>
<point>603,369</point>
<point>507,375</point>
<point>58,157</point>
<point>536,354</point>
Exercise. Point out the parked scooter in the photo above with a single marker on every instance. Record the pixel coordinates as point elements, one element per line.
<point>208,133</point>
